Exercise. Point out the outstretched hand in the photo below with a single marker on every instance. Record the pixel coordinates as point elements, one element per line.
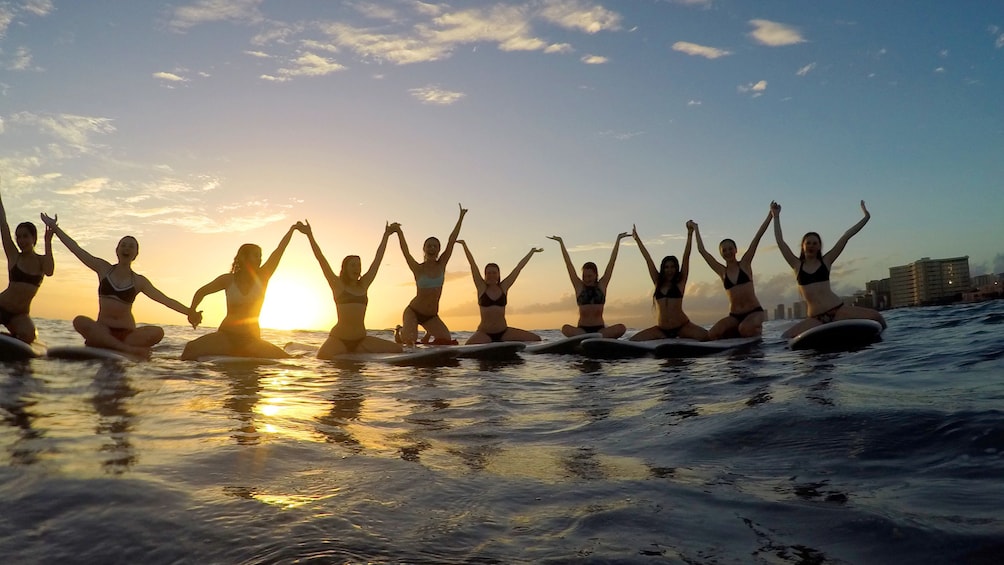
<point>536,249</point>
<point>865,210</point>
<point>555,238</point>
<point>462,209</point>
<point>775,208</point>
<point>391,227</point>
<point>50,223</point>
<point>691,225</point>
<point>195,318</point>
<point>622,235</point>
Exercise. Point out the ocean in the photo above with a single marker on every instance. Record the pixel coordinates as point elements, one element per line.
<point>890,454</point>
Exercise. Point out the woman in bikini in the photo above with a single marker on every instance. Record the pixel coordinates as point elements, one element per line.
<point>25,271</point>
<point>746,315</point>
<point>670,282</point>
<point>115,328</point>
<point>492,299</point>
<point>812,272</point>
<point>591,294</point>
<point>349,288</point>
<point>430,274</point>
<point>245,285</point>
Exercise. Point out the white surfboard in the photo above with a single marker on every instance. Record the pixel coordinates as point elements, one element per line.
<point>563,345</point>
<point>683,347</point>
<point>609,348</point>
<point>88,353</point>
<point>422,356</point>
<point>840,335</point>
<point>493,350</point>
<point>13,349</point>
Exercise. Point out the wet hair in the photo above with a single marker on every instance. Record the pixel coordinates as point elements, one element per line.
<point>726,240</point>
<point>241,251</point>
<point>801,246</point>
<point>342,274</point>
<point>31,230</point>
<point>662,270</point>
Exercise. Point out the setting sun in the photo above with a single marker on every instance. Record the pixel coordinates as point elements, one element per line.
<point>297,303</point>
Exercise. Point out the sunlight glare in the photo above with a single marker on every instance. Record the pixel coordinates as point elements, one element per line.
<point>297,303</point>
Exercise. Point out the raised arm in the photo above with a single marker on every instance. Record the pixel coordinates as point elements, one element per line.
<point>717,267</point>
<point>685,263</point>
<point>751,251</point>
<point>9,248</point>
<point>572,275</point>
<point>479,280</point>
<point>652,271</point>
<point>830,256</point>
<point>96,264</point>
<point>333,281</point>
<point>791,258</point>
<point>144,285</point>
<point>48,264</point>
<point>412,263</point>
<point>273,260</point>
<point>444,257</point>
<point>509,280</point>
<point>609,271</point>
<point>370,274</point>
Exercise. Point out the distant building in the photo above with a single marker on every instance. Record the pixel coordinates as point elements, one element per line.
<point>987,287</point>
<point>929,281</point>
<point>798,310</point>
<point>881,293</point>
<point>779,312</point>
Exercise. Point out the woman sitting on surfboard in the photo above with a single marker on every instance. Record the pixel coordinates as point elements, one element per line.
<point>25,271</point>
<point>430,274</point>
<point>349,289</point>
<point>746,315</point>
<point>492,300</point>
<point>239,334</point>
<point>591,294</point>
<point>812,272</point>
<point>670,282</point>
<point>118,285</point>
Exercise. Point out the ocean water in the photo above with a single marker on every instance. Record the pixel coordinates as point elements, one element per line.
<point>890,454</point>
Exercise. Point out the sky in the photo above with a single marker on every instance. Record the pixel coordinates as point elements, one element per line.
<point>197,126</point>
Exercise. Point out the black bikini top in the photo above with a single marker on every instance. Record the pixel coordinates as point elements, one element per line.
<point>821,274</point>
<point>350,298</point>
<point>741,279</point>
<point>107,289</point>
<point>17,275</point>
<point>591,295</point>
<point>673,292</point>
<point>485,301</point>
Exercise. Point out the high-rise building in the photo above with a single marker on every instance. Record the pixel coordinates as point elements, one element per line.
<point>929,281</point>
<point>779,312</point>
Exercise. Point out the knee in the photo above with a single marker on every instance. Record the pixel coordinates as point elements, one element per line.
<point>81,323</point>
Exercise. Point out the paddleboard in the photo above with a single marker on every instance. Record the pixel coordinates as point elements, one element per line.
<point>840,335</point>
<point>614,348</point>
<point>493,350</point>
<point>563,345</point>
<point>88,353</point>
<point>423,356</point>
<point>237,360</point>
<point>13,349</point>
<point>683,347</point>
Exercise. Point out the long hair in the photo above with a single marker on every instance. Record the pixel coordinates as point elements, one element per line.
<point>662,271</point>
<point>801,246</point>
<point>241,251</point>
<point>31,230</point>
<point>342,274</point>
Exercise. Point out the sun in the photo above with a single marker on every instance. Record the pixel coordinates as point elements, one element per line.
<point>295,302</point>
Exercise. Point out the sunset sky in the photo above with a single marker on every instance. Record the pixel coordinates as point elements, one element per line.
<point>198,126</point>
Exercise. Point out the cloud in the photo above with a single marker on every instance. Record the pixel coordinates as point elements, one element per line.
<point>621,136</point>
<point>311,65</point>
<point>701,3</point>
<point>258,54</point>
<point>700,50</point>
<point>73,129</point>
<point>757,88</point>
<point>774,34</point>
<point>205,11</point>
<point>939,70</point>
<point>89,186</point>
<point>694,103</point>
<point>594,59</point>
<point>435,95</point>
<point>572,14</point>
<point>999,40</point>
<point>21,61</point>
<point>169,78</point>
<point>9,14</point>
<point>805,70</point>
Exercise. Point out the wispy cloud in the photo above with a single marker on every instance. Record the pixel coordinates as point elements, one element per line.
<point>805,70</point>
<point>70,128</point>
<point>21,61</point>
<point>572,14</point>
<point>998,36</point>
<point>206,11</point>
<point>773,34</point>
<point>700,50</point>
<point>436,95</point>
<point>9,13</point>
<point>594,59</point>
<point>621,135</point>
<point>757,88</point>
<point>694,103</point>
<point>88,186</point>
